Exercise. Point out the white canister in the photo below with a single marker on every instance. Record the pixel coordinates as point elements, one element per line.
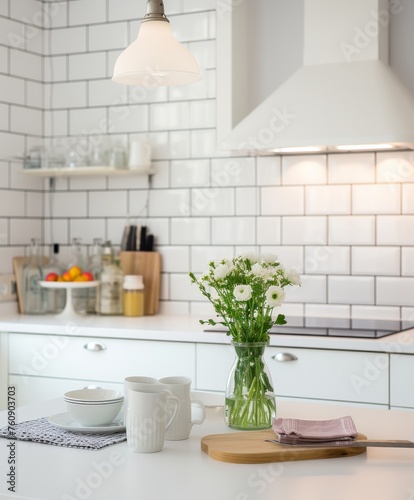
<point>140,154</point>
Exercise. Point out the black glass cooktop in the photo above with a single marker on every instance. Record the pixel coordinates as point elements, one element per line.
<point>336,327</point>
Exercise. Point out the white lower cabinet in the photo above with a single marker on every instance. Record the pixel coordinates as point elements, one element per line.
<point>356,377</point>
<point>46,366</point>
<point>401,380</point>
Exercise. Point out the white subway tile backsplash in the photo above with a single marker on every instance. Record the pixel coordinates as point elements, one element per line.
<point>285,200</point>
<point>30,11</point>
<point>395,230</point>
<point>123,119</point>
<point>26,120</point>
<point>87,12</point>
<point>11,145</point>
<point>324,259</point>
<point>307,169</point>
<point>407,261</point>
<point>407,198</point>
<point>351,290</point>
<point>169,116</point>
<point>181,289</point>
<point>178,145</point>
<point>187,231</point>
<point>175,259</point>
<point>269,170</point>
<point>56,229</point>
<point>108,36</point>
<point>190,27</point>
<point>202,255</point>
<point>106,92</point>
<point>12,203</point>
<point>233,172</point>
<point>25,64</point>
<point>55,14</point>
<point>34,204</point>
<point>123,10</point>
<point>309,230</point>
<point>55,68</point>
<point>190,173</point>
<point>202,114</point>
<point>130,182</point>
<point>107,204</point>
<point>4,9</point>
<point>395,291</point>
<point>376,260</point>
<point>246,200</point>
<point>333,200</point>
<point>34,94</point>
<point>56,123</point>
<point>12,90</point>
<point>87,66</point>
<point>268,230</point>
<point>375,312</point>
<point>68,205</point>
<point>67,40</point>
<point>351,230</point>
<point>233,231</point>
<point>92,121</point>
<point>138,202</point>
<point>212,201</point>
<point>395,167</point>
<point>169,203</point>
<point>326,311</point>
<point>87,230</point>
<point>376,199</point>
<point>203,143</point>
<point>65,95</point>
<point>313,290</point>
<point>12,34</point>
<point>351,168</point>
<point>4,117</point>
<point>87,183</point>
<point>4,59</point>
<point>23,230</point>
<point>291,257</point>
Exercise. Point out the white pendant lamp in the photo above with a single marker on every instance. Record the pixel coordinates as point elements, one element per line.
<point>156,58</point>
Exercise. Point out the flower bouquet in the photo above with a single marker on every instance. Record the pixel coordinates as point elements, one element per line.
<point>246,290</point>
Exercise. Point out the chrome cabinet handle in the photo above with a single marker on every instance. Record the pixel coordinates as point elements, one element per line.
<point>94,346</point>
<point>284,356</point>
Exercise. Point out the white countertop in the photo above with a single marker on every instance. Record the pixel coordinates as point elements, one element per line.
<point>188,329</point>
<point>183,472</point>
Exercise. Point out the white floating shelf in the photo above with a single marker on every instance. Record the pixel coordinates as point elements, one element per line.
<point>86,171</point>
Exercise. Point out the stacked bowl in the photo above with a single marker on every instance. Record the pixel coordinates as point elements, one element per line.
<point>94,407</point>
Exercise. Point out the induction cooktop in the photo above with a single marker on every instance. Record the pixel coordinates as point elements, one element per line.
<point>335,327</point>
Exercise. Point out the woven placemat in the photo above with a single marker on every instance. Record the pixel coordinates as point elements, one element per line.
<point>41,431</point>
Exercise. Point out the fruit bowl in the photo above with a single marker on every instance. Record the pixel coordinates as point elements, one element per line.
<point>69,310</point>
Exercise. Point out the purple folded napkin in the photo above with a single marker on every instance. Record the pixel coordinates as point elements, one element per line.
<point>295,431</point>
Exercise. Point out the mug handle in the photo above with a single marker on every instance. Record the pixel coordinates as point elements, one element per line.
<point>175,402</point>
<point>199,408</point>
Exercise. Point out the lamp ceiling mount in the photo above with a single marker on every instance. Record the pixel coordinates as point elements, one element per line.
<point>155,11</point>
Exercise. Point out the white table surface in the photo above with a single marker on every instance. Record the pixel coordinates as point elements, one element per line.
<point>183,472</point>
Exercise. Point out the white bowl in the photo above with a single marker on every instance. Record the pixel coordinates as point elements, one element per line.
<point>94,414</point>
<point>93,395</point>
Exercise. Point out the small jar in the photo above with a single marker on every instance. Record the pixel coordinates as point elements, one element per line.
<point>133,295</point>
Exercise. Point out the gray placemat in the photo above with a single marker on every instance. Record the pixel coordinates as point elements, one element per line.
<point>41,431</point>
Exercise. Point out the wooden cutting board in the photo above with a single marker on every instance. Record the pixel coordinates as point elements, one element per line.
<point>250,447</point>
<point>147,264</point>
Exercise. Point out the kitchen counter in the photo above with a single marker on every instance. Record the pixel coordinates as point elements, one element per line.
<point>188,329</point>
<point>183,472</point>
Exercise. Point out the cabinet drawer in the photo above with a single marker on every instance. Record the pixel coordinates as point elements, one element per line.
<point>401,377</point>
<point>315,373</point>
<point>112,361</point>
<point>352,376</point>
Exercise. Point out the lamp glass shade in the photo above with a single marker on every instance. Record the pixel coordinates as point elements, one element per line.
<point>156,59</point>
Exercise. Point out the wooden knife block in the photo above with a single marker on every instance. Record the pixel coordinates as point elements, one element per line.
<point>148,265</point>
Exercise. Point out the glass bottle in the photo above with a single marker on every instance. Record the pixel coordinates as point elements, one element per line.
<point>94,267</point>
<point>33,293</point>
<point>78,260</point>
<point>55,299</point>
<point>133,295</point>
<point>110,290</point>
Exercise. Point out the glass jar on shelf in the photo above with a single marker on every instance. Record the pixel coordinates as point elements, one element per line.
<point>33,293</point>
<point>110,293</point>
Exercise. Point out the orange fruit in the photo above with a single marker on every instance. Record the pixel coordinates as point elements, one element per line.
<point>88,276</point>
<point>66,276</point>
<point>74,272</point>
<point>79,278</point>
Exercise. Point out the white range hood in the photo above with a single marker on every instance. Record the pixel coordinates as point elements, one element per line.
<point>344,97</point>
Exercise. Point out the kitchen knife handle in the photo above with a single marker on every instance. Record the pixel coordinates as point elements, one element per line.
<point>94,346</point>
<point>282,357</point>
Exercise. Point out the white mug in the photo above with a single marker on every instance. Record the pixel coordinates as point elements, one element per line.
<point>190,411</point>
<point>146,418</point>
<point>136,383</point>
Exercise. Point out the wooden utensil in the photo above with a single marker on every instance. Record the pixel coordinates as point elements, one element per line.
<point>251,447</point>
<point>147,264</point>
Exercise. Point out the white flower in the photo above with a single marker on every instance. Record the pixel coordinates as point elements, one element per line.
<point>269,258</point>
<point>275,296</point>
<point>253,257</point>
<point>221,271</point>
<point>242,293</point>
<point>293,277</point>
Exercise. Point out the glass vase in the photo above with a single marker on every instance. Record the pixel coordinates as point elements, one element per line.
<point>250,400</point>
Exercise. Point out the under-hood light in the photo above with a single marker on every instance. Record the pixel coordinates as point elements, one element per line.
<point>364,147</point>
<point>301,149</point>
